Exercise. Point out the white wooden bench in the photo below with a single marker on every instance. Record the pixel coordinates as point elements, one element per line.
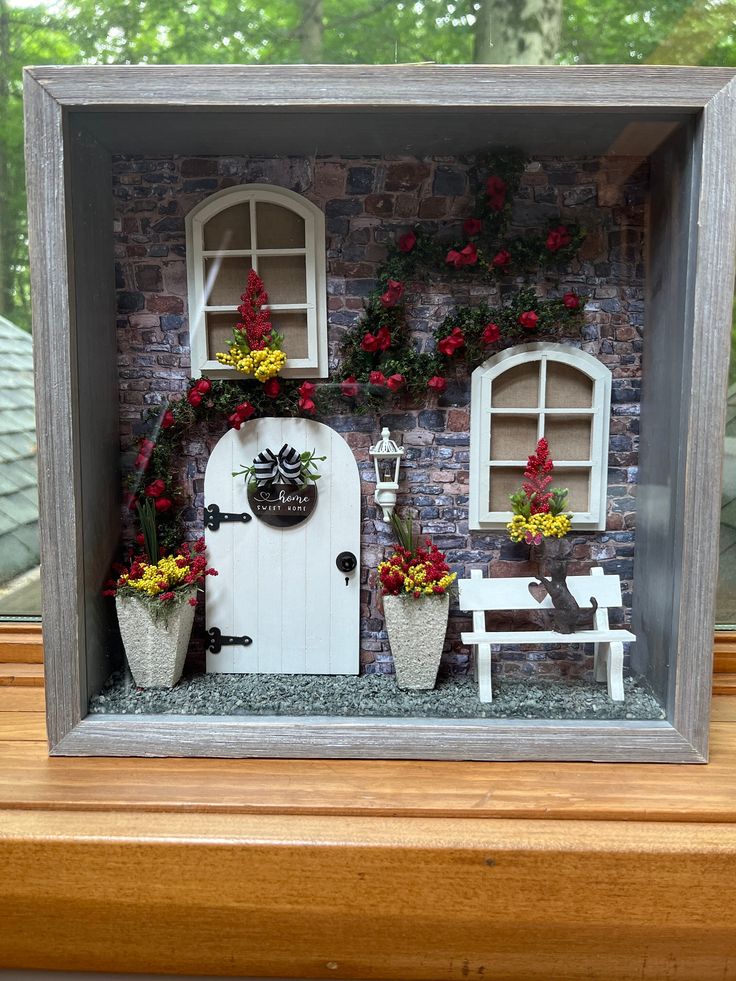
<point>479,595</point>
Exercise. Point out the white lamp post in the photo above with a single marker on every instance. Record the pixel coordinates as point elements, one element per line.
<point>386,457</point>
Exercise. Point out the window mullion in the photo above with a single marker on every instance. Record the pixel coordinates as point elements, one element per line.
<point>253,235</point>
<point>541,398</point>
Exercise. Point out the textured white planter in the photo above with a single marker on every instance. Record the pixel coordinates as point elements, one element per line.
<point>416,632</point>
<point>155,649</point>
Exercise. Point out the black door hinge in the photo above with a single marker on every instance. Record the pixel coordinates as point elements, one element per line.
<point>214,517</point>
<point>218,640</point>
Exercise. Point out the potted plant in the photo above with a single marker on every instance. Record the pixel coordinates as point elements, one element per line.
<point>155,598</point>
<point>415,582</point>
<point>540,520</point>
<point>539,515</point>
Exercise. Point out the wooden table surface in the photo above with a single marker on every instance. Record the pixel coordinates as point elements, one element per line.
<point>366,869</point>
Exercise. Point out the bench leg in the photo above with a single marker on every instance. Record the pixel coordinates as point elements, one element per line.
<point>600,657</point>
<point>483,672</point>
<point>615,671</point>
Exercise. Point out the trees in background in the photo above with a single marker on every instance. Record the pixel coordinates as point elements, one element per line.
<point>327,31</point>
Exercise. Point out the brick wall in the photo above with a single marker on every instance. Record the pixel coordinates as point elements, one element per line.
<point>366,203</point>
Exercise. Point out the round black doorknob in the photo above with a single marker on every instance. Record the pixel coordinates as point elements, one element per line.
<point>346,562</point>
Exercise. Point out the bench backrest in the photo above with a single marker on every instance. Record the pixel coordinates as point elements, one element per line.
<point>478,593</point>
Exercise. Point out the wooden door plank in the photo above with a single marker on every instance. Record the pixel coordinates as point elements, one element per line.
<point>530,900</point>
<point>598,791</point>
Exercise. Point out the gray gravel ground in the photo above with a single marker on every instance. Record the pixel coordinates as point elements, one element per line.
<point>375,695</point>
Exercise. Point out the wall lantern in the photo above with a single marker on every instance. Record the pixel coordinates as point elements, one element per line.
<point>387,460</point>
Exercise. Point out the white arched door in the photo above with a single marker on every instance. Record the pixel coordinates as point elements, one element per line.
<point>280,586</point>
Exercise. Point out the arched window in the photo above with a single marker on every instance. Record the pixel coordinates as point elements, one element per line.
<point>522,394</point>
<point>282,236</point>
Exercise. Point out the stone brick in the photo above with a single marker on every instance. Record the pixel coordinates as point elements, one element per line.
<point>448,182</point>
<point>199,167</point>
<point>165,304</point>
<point>148,278</point>
<point>379,204</point>
<point>406,176</point>
<point>433,208</point>
<point>360,180</point>
<point>130,302</point>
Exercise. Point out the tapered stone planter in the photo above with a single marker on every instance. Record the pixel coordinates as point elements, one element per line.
<point>155,649</point>
<point>416,632</point>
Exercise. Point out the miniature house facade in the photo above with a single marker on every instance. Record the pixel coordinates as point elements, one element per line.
<point>312,225</point>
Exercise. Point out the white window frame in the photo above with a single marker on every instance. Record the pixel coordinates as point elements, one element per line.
<point>481,465</point>
<point>315,365</point>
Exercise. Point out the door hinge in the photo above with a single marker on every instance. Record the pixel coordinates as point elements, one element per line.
<point>218,640</point>
<point>214,517</point>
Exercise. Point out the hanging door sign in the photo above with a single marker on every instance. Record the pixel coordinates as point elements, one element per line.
<point>277,490</point>
<point>282,505</point>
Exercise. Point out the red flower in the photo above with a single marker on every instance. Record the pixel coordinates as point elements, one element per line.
<point>407,242</point>
<point>571,300</point>
<point>369,343</point>
<point>145,449</point>
<point>140,539</point>
<point>156,488</point>
<point>496,189</point>
<point>448,345</point>
<point>395,382</point>
<point>163,504</point>
<point>528,319</point>
<point>307,390</point>
<point>558,238</point>
<point>491,334</point>
<point>501,259</point>
<point>194,398</point>
<point>203,386</point>
<point>465,257</point>
<point>437,383</point>
<point>307,405</point>
<point>383,339</point>
<point>394,292</point>
<point>245,410</point>
<point>165,597</point>
<point>376,378</point>
<point>472,227</point>
<point>192,601</point>
<point>167,419</point>
<point>349,388</point>
<point>271,388</point>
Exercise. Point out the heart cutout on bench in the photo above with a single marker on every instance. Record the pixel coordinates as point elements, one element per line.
<point>538,592</point>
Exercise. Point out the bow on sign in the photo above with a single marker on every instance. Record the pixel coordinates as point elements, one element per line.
<point>286,468</point>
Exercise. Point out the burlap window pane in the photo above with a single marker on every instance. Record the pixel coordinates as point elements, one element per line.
<point>228,229</point>
<point>284,277</point>
<point>505,481</point>
<point>225,280</point>
<point>517,387</point>
<point>567,388</point>
<point>278,228</point>
<point>569,439</point>
<point>577,483</point>
<point>219,331</point>
<point>512,437</point>
<point>293,326</point>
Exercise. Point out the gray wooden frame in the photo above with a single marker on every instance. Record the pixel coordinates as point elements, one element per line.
<point>73,115</point>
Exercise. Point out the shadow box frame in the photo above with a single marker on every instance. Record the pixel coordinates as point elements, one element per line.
<point>77,117</point>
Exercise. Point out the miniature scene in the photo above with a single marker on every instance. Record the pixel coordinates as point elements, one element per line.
<point>380,424</point>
